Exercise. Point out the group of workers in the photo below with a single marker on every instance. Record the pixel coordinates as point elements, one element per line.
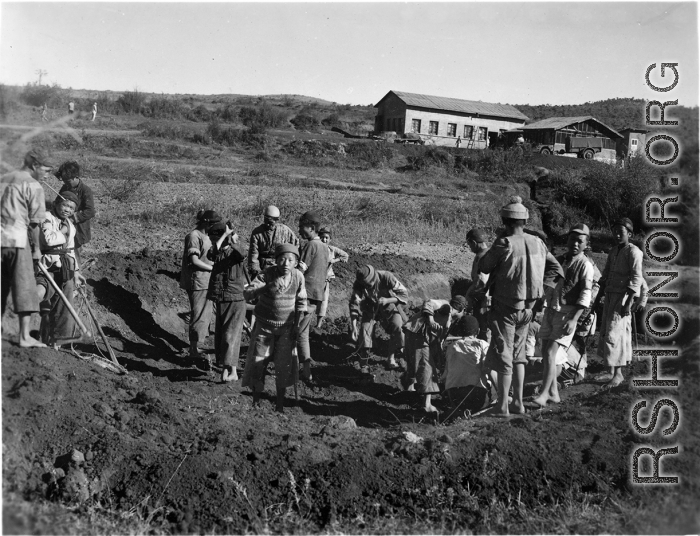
<point>475,345</point>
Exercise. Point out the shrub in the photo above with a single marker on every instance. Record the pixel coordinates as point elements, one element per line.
<point>371,155</point>
<point>164,108</point>
<point>332,120</point>
<point>131,101</point>
<point>304,122</point>
<point>37,95</point>
<point>260,118</point>
<point>200,113</point>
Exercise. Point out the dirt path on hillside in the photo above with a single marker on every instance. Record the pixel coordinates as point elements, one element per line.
<point>94,131</point>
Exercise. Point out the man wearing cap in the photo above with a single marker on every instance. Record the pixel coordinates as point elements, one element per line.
<point>564,305</point>
<point>519,264</point>
<point>477,295</point>
<point>69,173</point>
<point>226,285</point>
<point>314,264</point>
<point>194,278</point>
<point>264,239</point>
<point>22,210</point>
<point>335,254</point>
<point>57,241</point>
<point>621,282</point>
<point>377,295</point>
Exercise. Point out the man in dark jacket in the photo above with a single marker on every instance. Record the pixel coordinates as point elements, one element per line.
<point>69,173</point>
<point>226,290</point>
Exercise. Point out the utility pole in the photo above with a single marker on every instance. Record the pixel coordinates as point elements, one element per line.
<point>41,73</point>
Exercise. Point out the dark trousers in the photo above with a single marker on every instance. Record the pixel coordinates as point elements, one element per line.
<point>56,320</point>
<point>229,328</point>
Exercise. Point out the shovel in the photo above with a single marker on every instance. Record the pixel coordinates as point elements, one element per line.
<point>112,356</point>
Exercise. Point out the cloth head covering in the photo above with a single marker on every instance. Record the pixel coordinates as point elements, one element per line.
<point>324,230</point>
<point>580,228</point>
<point>69,196</point>
<point>444,310</point>
<point>625,222</point>
<point>467,326</point>
<point>459,302</point>
<point>217,229</point>
<point>36,156</point>
<point>515,209</point>
<point>310,217</point>
<point>477,235</point>
<point>272,211</point>
<point>427,308</point>
<point>366,274</point>
<point>281,249</point>
<point>208,216</point>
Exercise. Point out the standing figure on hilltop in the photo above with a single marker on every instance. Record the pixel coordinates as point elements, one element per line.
<point>566,302</point>
<point>22,210</point>
<point>94,111</point>
<point>44,113</point>
<point>71,108</point>
<point>377,295</point>
<point>621,283</point>
<point>69,173</point>
<point>265,238</point>
<point>519,264</point>
<point>57,247</point>
<point>477,295</point>
<point>314,265</point>
<point>281,304</point>
<point>194,278</point>
<point>335,254</point>
<point>226,285</point>
<point>425,332</point>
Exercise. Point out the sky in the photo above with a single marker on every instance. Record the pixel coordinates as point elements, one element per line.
<point>517,53</point>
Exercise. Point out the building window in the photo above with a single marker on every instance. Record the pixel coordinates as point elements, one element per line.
<point>415,126</point>
<point>634,143</point>
<point>452,129</point>
<point>482,133</point>
<point>433,128</point>
<point>468,132</point>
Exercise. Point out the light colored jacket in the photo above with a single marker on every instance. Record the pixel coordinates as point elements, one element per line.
<point>519,265</point>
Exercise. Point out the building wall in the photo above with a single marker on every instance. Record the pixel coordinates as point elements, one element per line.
<point>394,111</point>
<point>625,146</point>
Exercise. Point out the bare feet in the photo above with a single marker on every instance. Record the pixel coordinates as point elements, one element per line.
<point>497,412</point>
<point>31,342</point>
<point>392,364</point>
<point>431,409</point>
<point>541,400</point>
<point>605,377</point>
<point>614,382</point>
<point>411,387</point>
<point>227,376</point>
<point>517,408</point>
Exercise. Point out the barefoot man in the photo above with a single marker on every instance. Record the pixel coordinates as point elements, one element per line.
<point>621,281</point>
<point>565,304</point>
<point>22,210</point>
<point>519,263</point>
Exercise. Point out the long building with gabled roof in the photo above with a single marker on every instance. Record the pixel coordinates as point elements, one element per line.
<point>446,121</point>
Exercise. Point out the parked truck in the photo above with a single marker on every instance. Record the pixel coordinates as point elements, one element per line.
<point>584,147</point>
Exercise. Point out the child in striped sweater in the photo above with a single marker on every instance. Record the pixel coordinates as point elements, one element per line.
<point>281,303</point>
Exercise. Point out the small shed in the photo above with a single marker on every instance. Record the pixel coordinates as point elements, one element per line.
<point>632,142</point>
<point>584,136</point>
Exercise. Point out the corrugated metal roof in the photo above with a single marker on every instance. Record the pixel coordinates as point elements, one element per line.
<point>458,105</point>
<point>557,123</point>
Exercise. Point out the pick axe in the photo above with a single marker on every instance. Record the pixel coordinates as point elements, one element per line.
<point>68,305</point>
